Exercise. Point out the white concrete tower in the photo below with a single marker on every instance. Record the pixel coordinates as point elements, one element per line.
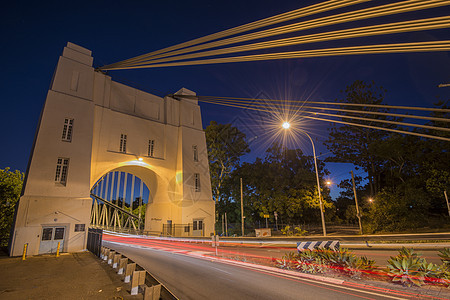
<point>84,119</point>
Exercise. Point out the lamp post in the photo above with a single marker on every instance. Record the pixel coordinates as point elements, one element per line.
<point>286,125</point>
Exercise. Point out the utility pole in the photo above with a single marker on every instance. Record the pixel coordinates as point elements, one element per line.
<point>223,223</point>
<point>446,199</point>
<point>140,208</point>
<point>226,225</point>
<point>275,214</point>
<point>242,209</point>
<point>356,202</point>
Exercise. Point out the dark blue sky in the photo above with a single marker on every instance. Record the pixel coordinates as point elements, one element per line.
<point>35,32</point>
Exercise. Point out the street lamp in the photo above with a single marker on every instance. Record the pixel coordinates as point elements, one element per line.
<point>286,125</point>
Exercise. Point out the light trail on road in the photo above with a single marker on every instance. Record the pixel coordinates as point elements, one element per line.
<point>192,271</point>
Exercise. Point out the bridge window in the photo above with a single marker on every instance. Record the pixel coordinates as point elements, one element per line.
<point>197,182</point>
<point>67,130</point>
<point>151,148</point>
<point>123,143</point>
<point>61,170</point>
<point>195,152</point>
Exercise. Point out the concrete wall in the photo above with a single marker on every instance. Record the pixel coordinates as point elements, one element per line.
<point>102,110</point>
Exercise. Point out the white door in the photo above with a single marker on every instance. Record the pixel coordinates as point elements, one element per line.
<point>197,227</point>
<point>50,237</point>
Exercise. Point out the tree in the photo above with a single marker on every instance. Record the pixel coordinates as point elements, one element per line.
<point>352,144</point>
<point>398,210</point>
<point>284,182</point>
<point>226,144</point>
<point>10,189</point>
<point>345,202</point>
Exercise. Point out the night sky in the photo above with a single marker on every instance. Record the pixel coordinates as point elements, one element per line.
<point>35,32</point>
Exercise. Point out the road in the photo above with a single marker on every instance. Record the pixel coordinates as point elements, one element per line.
<point>189,273</point>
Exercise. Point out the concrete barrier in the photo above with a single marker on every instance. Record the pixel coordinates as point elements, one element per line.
<point>116,259</point>
<point>106,254</point>
<point>152,292</point>
<point>122,264</point>
<point>141,280</point>
<point>130,268</point>
<point>137,279</point>
<point>110,257</point>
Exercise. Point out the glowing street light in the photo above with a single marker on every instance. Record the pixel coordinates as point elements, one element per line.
<point>370,200</point>
<point>286,125</point>
<point>328,183</point>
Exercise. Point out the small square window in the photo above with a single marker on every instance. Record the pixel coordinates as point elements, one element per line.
<point>79,227</point>
<point>59,233</point>
<point>47,234</point>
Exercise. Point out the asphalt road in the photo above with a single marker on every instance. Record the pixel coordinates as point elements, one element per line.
<point>189,274</point>
<point>379,255</point>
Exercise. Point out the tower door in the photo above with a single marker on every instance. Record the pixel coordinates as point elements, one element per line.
<point>50,237</point>
<point>197,227</point>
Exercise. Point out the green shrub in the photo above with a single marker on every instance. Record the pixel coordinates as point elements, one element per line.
<point>445,256</point>
<point>287,261</point>
<point>297,231</point>
<point>360,266</point>
<point>406,270</point>
<point>408,253</point>
<point>287,231</point>
<point>310,262</point>
<point>340,259</point>
<point>430,271</point>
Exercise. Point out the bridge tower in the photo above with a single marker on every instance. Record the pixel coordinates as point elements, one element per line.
<point>91,125</point>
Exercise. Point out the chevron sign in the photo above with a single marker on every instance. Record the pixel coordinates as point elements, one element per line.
<point>317,244</point>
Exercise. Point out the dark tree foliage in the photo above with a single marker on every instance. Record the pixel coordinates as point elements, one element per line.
<point>10,188</point>
<point>407,174</point>
<point>352,144</point>
<point>284,182</point>
<point>226,144</point>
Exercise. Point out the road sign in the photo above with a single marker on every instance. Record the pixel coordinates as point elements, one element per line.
<point>266,216</point>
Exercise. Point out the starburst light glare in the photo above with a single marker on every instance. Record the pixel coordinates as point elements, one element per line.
<point>286,125</point>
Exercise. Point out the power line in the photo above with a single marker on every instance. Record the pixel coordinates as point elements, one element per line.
<point>345,123</point>
<point>370,112</point>
<point>390,28</point>
<point>326,103</point>
<point>353,117</point>
<point>395,8</point>
<point>298,13</point>
<point>372,49</point>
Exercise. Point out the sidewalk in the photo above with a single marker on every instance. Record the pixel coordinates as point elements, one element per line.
<point>70,276</point>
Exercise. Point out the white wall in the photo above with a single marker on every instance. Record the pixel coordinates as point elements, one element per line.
<point>103,110</point>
